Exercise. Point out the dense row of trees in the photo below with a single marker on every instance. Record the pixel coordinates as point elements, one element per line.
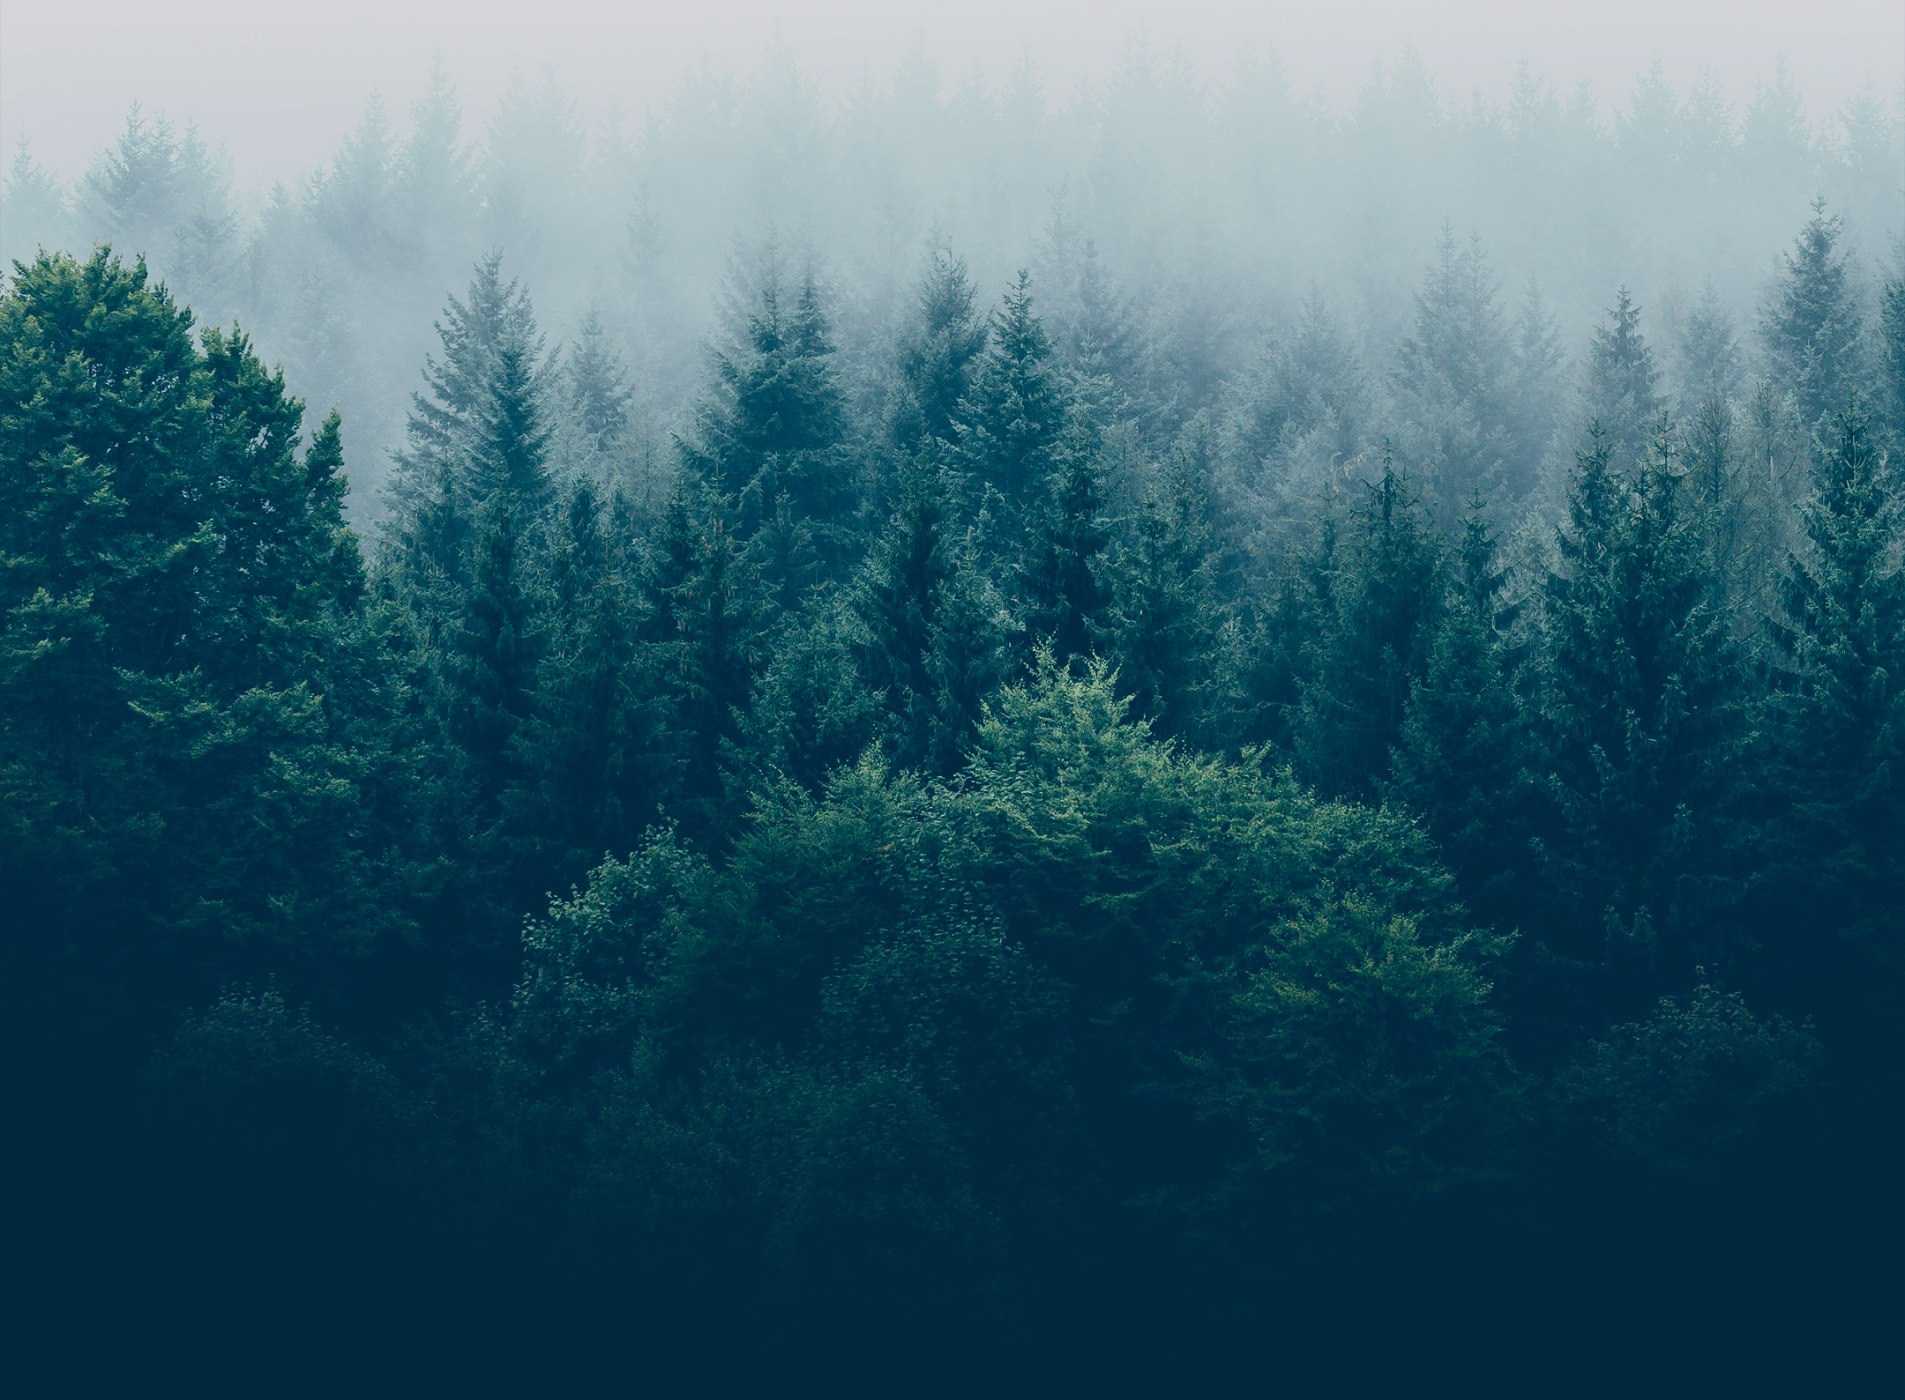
<point>993,817</point>
<point>1177,227</point>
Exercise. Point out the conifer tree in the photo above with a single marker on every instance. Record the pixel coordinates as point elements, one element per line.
<point>1459,753</point>
<point>492,661</point>
<point>1621,393</point>
<point>1066,600</point>
<point>1709,351</point>
<point>896,597</point>
<point>1386,596</point>
<point>1642,726</point>
<point>1163,627</point>
<point>1891,392</point>
<point>476,428</point>
<point>1453,380</point>
<point>937,359</point>
<point>1012,420</point>
<point>1840,709</point>
<point>775,423</point>
<point>1812,327</point>
<point>701,620</point>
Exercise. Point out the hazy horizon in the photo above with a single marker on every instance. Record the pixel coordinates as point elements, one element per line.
<point>276,98</point>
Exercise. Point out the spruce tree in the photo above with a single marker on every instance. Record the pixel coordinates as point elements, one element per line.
<point>1839,710</point>
<point>1453,382</point>
<point>775,422</point>
<point>1812,327</point>
<point>1459,754</point>
<point>1012,421</point>
<point>896,597</point>
<point>1642,727</point>
<point>1891,386</point>
<point>1163,627</point>
<point>1066,600</point>
<point>937,358</point>
<point>1621,394</point>
<point>1386,596</point>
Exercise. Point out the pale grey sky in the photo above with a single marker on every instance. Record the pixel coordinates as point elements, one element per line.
<point>279,85</point>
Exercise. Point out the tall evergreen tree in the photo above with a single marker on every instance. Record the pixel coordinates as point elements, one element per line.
<point>1066,598</point>
<point>937,358</point>
<point>1891,388</point>
<point>1012,421</point>
<point>1164,623</point>
<point>1452,382</point>
<point>775,422</point>
<point>897,599</point>
<point>1840,710</point>
<point>1386,597</point>
<point>1621,393</point>
<point>1812,327</point>
<point>1458,757</point>
<point>1642,727</point>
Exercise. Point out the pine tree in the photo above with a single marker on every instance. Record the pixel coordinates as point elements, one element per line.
<point>937,360</point>
<point>775,422</point>
<point>1385,600</point>
<point>1066,600</point>
<point>33,208</point>
<point>134,192</point>
<point>1012,421</point>
<point>1709,351</point>
<point>896,597</point>
<point>490,671</point>
<point>1812,327</point>
<point>1453,379</point>
<point>1840,708</point>
<point>1458,756</point>
<point>1642,726</point>
<point>1621,392</point>
<point>470,433</point>
<point>1163,627</point>
<point>1891,395</point>
<point>598,385</point>
<point>700,621</point>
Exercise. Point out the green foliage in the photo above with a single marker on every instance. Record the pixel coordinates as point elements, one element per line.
<point>1841,706</point>
<point>1689,1088</point>
<point>1374,643</point>
<point>1012,420</point>
<point>775,424</point>
<point>1642,722</point>
<point>1812,327</point>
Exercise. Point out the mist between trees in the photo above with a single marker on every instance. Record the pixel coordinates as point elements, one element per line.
<point>1204,214</point>
<point>943,698</point>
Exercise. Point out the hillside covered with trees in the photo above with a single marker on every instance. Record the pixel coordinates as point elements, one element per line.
<point>982,777</point>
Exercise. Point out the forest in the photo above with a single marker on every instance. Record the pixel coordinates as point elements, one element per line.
<point>959,709</point>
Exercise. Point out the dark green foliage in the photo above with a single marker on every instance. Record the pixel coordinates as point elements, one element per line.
<point>1891,396</point>
<point>1165,621</point>
<point>1104,865</point>
<point>936,361</point>
<point>180,589</point>
<point>1692,1085</point>
<point>775,425</point>
<point>1013,418</point>
<point>1458,757</point>
<point>1374,643</point>
<point>1065,599</point>
<point>1812,326</point>
<point>1840,708</point>
<point>1642,725</point>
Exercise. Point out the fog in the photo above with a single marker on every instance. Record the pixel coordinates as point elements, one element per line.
<point>1215,169</point>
